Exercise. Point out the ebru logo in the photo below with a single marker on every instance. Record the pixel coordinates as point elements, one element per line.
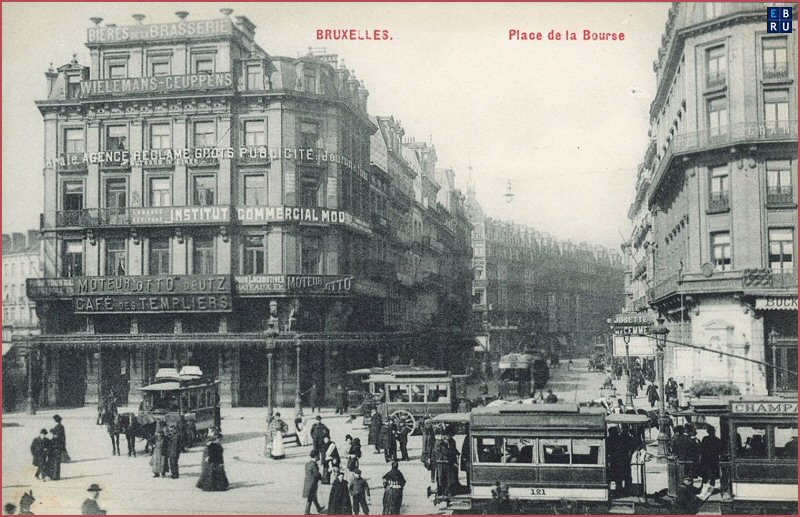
<point>779,20</point>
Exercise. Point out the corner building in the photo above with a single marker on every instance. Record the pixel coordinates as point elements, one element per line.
<point>209,204</point>
<point>723,196</point>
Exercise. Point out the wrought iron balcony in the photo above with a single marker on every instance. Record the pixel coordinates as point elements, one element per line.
<point>719,202</point>
<point>776,71</point>
<point>779,196</point>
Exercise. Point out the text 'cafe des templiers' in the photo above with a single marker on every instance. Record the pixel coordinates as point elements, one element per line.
<point>207,203</point>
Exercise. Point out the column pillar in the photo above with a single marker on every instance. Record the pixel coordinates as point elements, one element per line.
<point>137,377</point>
<point>229,376</point>
<point>92,377</point>
<point>51,377</point>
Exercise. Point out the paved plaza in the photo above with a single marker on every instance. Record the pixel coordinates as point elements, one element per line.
<point>258,485</point>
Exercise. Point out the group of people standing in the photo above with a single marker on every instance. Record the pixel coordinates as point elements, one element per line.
<point>697,458</point>
<point>625,453</point>
<point>49,450</point>
<point>387,437</point>
<point>349,491</point>
<point>440,455</point>
<point>167,449</point>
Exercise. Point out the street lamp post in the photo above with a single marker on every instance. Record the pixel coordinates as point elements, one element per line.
<point>270,408</point>
<point>659,333</point>
<point>773,343</point>
<point>31,404</point>
<point>626,336</point>
<point>298,403</point>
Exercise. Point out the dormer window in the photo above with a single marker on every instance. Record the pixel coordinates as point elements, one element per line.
<point>254,77</point>
<point>73,86</point>
<point>310,81</point>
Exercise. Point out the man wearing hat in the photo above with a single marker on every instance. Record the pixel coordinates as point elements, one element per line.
<point>58,447</point>
<point>40,449</point>
<point>90,506</point>
<point>359,491</point>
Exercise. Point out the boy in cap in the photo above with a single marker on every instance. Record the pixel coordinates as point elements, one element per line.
<point>90,506</point>
<point>359,491</point>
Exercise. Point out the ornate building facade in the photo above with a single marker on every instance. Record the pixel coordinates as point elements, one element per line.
<point>719,187</point>
<point>207,203</point>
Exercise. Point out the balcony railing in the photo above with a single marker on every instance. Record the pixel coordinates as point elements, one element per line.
<point>760,279</point>
<point>776,71</point>
<point>715,80</point>
<point>745,280</point>
<point>719,202</point>
<point>779,196</point>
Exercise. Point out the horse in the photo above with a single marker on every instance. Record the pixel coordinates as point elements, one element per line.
<point>114,429</point>
<point>135,427</point>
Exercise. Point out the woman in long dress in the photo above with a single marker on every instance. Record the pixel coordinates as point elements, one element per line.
<point>157,460</point>
<point>339,499</point>
<point>303,431</point>
<point>277,427</point>
<point>212,474</point>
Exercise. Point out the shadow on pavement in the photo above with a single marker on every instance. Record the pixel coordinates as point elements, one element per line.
<point>238,437</point>
<point>245,484</point>
<point>81,477</point>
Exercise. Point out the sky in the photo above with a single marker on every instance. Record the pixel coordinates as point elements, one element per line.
<point>563,122</point>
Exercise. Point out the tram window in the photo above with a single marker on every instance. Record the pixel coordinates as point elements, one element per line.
<point>786,442</point>
<point>587,452</point>
<point>438,393</point>
<point>520,450</point>
<point>398,393</point>
<point>751,441</point>
<point>490,449</point>
<point>185,400</point>
<point>555,451</point>
<point>417,392</point>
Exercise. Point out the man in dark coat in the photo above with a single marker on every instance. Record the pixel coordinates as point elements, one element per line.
<point>339,498</point>
<point>389,441</point>
<point>441,457</point>
<point>393,483</point>
<point>318,433</point>
<point>453,486</point>
<point>40,449</point>
<point>710,450</point>
<point>375,424</point>
<point>311,483</point>
<point>551,397</point>
<point>402,440</point>
<point>652,395</point>
<point>174,447</point>
<point>58,445</point>
<point>359,491</point>
<point>341,400</point>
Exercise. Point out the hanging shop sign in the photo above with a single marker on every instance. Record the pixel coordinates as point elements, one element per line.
<point>294,284</point>
<point>776,303</point>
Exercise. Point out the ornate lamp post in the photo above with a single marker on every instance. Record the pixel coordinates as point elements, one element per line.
<point>773,343</point>
<point>298,403</point>
<point>626,336</point>
<point>272,331</point>
<point>30,402</point>
<point>659,333</point>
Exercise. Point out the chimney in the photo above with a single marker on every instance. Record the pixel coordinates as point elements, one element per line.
<point>17,241</point>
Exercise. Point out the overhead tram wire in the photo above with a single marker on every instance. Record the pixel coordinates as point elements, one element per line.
<point>706,349</point>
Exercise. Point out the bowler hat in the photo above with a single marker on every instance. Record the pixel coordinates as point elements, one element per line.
<point>57,418</point>
<point>357,471</point>
<point>94,487</point>
<point>43,431</point>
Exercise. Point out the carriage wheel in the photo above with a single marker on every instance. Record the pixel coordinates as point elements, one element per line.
<point>404,420</point>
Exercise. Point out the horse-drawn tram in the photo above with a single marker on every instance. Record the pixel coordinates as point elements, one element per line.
<point>410,394</point>
<point>761,440</point>
<point>185,399</point>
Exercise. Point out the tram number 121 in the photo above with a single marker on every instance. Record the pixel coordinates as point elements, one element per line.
<point>538,491</point>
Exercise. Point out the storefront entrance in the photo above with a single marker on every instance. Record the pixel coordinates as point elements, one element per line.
<point>780,329</point>
<point>253,376</point>
<point>115,373</point>
<point>71,378</point>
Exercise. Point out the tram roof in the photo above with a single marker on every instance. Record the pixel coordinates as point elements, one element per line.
<point>398,369</point>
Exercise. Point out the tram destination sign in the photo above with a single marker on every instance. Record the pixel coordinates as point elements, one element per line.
<point>766,407</point>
